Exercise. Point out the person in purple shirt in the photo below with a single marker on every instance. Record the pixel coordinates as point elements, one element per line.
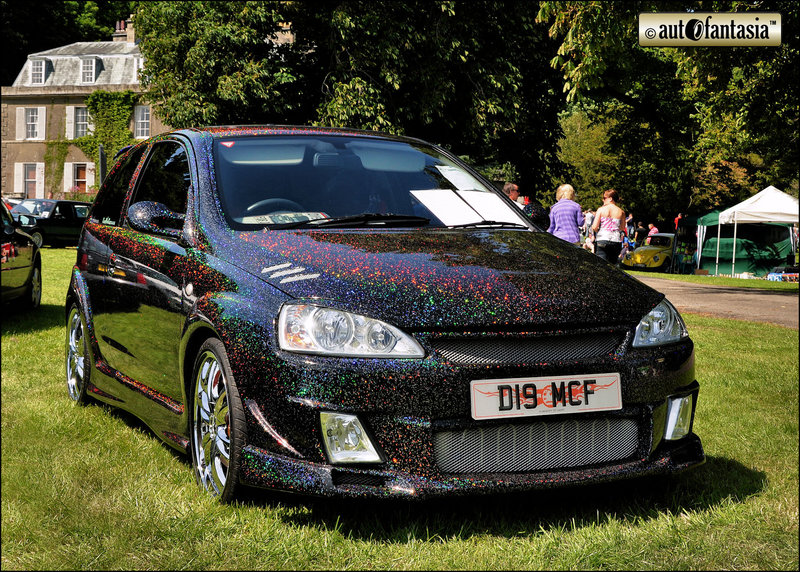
<point>566,216</point>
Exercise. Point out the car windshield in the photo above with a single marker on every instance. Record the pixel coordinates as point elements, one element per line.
<point>340,181</point>
<point>659,240</point>
<point>34,207</point>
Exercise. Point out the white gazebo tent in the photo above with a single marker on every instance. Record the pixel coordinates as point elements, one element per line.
<point>769,205</point>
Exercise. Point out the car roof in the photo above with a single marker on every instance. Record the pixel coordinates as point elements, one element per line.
<point>221,131</point>
<point>59,201</point>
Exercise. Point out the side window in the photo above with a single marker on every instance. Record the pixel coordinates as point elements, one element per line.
<point>61,211</point>
<point>108,204</point>
<point>165,178</point>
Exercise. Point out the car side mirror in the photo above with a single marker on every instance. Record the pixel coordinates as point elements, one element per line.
<point>539,215</point>
<point>148,216</point>
<point>25,220</point>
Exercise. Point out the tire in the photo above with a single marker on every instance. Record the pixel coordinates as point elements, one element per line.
<point>33,294</point>
<point>217,423</point>
<point>665,266</point>
<point>38,238</point>
<point>78,358</point>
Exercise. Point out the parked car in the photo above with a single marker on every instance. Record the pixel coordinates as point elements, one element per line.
<point>345,313</point>
<point>11,202</point>
<point>20,262</point>
<point>56,222</point>
<point>655,254</point>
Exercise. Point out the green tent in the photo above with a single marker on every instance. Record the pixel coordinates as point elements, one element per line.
<point>710,219</point>
<point>759,246</point>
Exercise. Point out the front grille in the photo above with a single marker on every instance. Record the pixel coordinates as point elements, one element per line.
<point>491,351</point>
<point>536,446</point>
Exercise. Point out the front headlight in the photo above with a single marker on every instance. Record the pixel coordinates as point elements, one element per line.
<point>655,258</point>
<point>306,328</point>
<point>661,326</point>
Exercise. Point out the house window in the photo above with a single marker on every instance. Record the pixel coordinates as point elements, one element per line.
<point>81,121</point>
<point>79,177</point>
<point>87,71</point>
<point>29,171</point>
<point>37,71</point>
<point>141,122</point>
<point>31,123</point>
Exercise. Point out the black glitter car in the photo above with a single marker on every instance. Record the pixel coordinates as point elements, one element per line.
<point>347,313</point>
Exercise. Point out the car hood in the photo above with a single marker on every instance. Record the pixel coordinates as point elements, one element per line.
<point>446,278</point>
<point>648,251</point>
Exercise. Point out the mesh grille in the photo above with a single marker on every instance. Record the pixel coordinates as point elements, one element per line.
<point>536,350</point>
<point>346,478</point>
<point>537,446</point>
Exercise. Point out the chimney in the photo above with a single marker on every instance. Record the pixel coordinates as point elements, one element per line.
<point>130,35</point>
<point>119,35</point>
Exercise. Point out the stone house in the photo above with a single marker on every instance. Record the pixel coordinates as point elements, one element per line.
<point>47,103</point>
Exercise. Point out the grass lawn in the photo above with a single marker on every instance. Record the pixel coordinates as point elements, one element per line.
<point>720,281</point>
<point>86,488</point>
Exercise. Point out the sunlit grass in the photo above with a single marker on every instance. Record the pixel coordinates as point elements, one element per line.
<point>86,488</point>
<point>760,284</point>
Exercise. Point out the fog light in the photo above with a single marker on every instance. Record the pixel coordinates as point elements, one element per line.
<point>679,418</point>
<point>345,439</point>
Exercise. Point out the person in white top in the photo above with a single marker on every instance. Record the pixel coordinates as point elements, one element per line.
<point>608,224</point>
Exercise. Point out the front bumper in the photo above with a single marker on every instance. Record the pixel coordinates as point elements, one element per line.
<point>263,469</point>
<point>405,413</point>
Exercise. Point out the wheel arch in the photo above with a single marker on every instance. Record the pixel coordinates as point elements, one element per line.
<point>78,293</point>
<point>197,332</point>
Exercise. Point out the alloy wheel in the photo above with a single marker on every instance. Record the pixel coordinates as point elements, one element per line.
<point>35,288</point>
<point>211,435</point>
<point>76,356</point>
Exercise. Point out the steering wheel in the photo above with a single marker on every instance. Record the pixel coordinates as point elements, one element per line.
<point>275,206</point>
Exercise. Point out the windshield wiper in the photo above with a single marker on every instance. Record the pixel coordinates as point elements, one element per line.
<point>368,219</point>
<point>488,223</point>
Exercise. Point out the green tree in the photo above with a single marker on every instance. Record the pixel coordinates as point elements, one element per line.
<point>703,127</point>
<point>467,75</point>
<point>746,102</point>
<point>583,149</point>
<point>216,62</point>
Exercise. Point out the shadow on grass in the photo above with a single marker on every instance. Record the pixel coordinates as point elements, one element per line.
<point>508,515</point>
<point>521,514</point>
<point>18,320</point>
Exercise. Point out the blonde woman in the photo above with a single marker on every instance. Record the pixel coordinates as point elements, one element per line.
<point>566,216</point>
<point>608,224</point>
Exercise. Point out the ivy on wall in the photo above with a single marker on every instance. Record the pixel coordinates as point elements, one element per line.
<point>110,112</point>
<point>54,154</point>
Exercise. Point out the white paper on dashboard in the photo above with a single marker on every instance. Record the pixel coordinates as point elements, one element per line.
<point>490,206</point>
<point>446,206</point>
<point>461,180</point>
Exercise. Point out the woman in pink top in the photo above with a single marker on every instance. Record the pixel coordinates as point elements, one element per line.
<point>608,224</point>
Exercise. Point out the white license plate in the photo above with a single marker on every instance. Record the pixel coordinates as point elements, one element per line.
<point>532,396</point>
